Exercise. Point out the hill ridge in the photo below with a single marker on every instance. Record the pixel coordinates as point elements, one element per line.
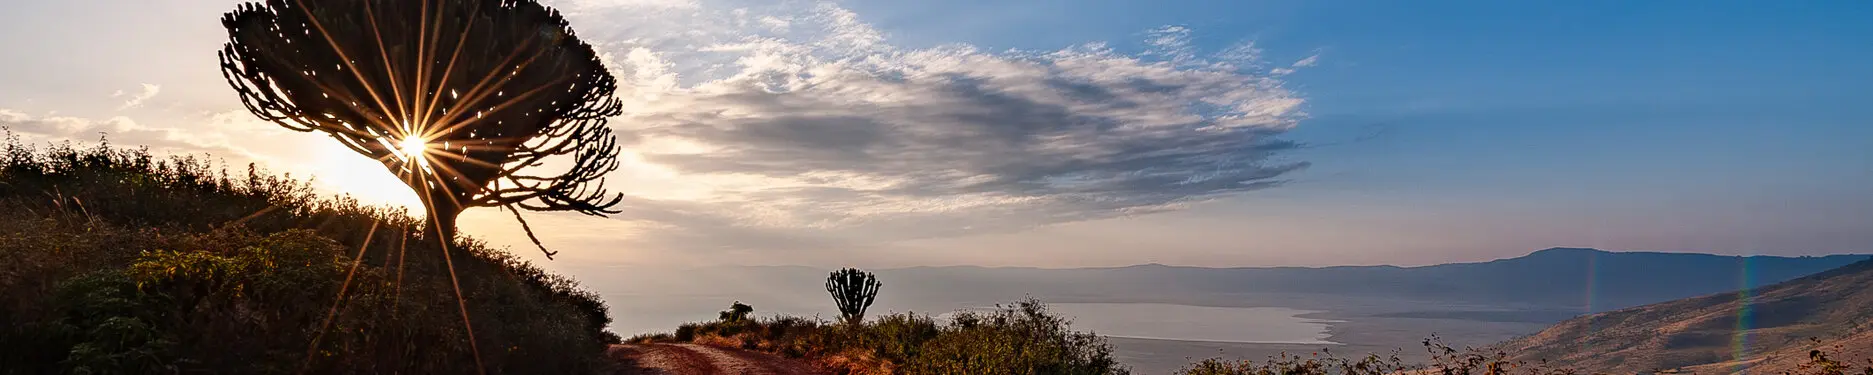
<point>1764,330</point>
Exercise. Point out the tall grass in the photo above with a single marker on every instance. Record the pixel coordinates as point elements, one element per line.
<point>116,261</point>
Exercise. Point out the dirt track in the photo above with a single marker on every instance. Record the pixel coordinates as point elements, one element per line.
<point>696,359</point>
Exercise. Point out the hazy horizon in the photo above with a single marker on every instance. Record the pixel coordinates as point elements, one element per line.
<point>884,134</point>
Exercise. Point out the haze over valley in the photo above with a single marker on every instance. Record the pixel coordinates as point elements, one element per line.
<point>1161,316</point>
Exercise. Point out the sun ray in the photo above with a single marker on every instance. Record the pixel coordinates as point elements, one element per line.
<point>510,101</point>
<point>403,248</point>
<point>396,90</point>
<point>312,350</point>
<point>481,87</point>
<point>449,71</point>
<point>423,57</point>
<point>476,96</point>
<point>448,260</point>
<point>353,67</point>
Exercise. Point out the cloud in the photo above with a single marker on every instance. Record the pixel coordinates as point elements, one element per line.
<point>798,128</point>
<point>805,123</point>
<point>136,100</point>
<point>119,129</point>
<point>1303,63</point>
<point>1307,62</point>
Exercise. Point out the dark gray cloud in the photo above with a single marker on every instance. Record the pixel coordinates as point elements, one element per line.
<point>824,126</point>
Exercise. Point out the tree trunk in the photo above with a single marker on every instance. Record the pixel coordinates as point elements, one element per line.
<point>440,225</point>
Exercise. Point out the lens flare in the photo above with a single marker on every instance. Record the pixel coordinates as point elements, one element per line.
<point>414,148</point>
<point>1745,316</point>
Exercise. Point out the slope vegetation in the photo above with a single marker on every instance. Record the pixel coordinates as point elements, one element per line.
<point>113,261</point>
<point>1767,330</point>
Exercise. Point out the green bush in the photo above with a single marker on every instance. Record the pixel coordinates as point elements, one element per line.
<point>1022,338</point>
<point>1019,339</point>
<point>114,261</point>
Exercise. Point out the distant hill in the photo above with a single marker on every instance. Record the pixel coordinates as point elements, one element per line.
<point>1558,277</point>
<point>1767,332</point>
<point>1564,281</point>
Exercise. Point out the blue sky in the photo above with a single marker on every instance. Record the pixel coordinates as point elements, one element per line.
<point>1434,131</point>
<point>1712,93</point>
<point>1734,127</point>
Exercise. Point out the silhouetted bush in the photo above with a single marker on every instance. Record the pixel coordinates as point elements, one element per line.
<point>736,312</point>
<point>114,261</point>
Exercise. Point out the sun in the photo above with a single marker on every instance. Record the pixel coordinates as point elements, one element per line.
<point>414,148</point>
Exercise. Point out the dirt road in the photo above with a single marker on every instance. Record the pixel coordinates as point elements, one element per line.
<point>696,359</point>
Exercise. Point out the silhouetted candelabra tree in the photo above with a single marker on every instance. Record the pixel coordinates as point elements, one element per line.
<point>853,290</point>
<point>466,100</point>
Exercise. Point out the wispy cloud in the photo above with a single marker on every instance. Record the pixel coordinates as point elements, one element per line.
<point>811,125</point>
<point>1291,68</point>
<point>1307,62</point>
<point>137,99</point>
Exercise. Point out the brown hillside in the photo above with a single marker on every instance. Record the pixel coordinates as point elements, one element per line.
<point>1701,334</point>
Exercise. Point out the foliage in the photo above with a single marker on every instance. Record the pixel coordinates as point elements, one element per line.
<point>736,313</point>
<point>1022,338</point>
<point>114,261</point>
<point>853,291</point>
<point>1018,339</point>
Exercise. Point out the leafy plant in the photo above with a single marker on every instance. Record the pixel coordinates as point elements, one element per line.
<point>737,312</point>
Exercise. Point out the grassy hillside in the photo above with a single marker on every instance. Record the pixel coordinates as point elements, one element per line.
<point>115,261</point>
<point>1721,332</point>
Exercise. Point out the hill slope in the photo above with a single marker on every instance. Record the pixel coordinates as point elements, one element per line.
<point>1764,332</point>
<point>1559,278</point>
<point>115,261</point>
<point>1552,277</point>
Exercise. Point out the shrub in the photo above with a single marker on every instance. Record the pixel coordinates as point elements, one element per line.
<point>1019,339</point>
<point>735,313</point>
<point>651,338</point>
<point>114,261</point>
<point>1023,338</point>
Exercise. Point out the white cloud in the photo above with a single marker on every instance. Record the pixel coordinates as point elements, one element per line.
<point>802,126</point>
<point>1307,62</point>
<point>52,127</point>
<point>136,100</point>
